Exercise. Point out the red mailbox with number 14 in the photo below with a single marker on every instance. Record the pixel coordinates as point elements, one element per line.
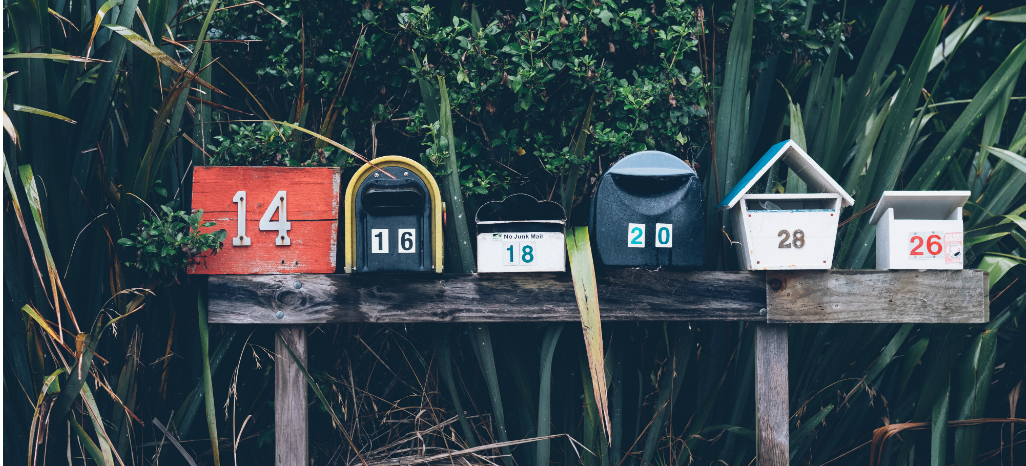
<point>279,220</point>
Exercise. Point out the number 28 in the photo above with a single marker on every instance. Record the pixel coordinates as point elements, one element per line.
<point>798,239</point>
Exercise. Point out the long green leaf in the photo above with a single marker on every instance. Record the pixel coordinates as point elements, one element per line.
<point>36,111</point>
<point>973,378</point>
<point>98,20</point>
<point>731,128</point>
<point>882,42</point>
<point>1013,159</point>
<point>28,181</point>
<point>895,140</point>
<point>101,434</point>
<point>159,55</point>
<point>52,56</point>
<point>582,271</point>
<point>548,349</point>
<point>1015,15</point>
<point>939,428</point>
<point>445,370</point>
<point>208,387</point>
<point>95,117</point>
<point>794,183</point>
<point>480,336</point>
<point>936,163</point>
<point>452,189</point>
<point>570,190</point>
<point>87,442</point>
<point>802,438</point>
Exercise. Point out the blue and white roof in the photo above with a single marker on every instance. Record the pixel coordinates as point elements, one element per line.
<point>817,180</point>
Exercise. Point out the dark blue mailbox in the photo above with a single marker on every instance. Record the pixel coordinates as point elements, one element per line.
<point>649,211</point>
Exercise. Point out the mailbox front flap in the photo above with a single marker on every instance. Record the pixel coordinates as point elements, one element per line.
<point>384,196</point>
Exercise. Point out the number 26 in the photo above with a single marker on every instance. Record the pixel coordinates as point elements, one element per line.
<point>933,241</point>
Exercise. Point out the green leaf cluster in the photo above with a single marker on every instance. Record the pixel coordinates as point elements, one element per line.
<point>165,245</point>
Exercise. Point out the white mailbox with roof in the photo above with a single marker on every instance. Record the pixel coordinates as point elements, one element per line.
<point>919,229</point>
<point>786,231</point>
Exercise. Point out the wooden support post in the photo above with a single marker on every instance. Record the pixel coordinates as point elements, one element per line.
<point>771,395</point>
<point>290,417</point>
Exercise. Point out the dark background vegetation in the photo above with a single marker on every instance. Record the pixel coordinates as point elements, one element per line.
<point>365,75</point>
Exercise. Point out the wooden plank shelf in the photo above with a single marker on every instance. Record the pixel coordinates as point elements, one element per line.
<point>872,296</point>
<point>776,298</point>
<point>834,296</point>
<point>624,294</point>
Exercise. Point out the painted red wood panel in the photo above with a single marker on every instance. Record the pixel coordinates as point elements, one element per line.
<point>311,206</point>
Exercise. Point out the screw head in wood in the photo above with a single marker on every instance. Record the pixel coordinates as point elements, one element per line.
<point>280,314</point>
<point>763,312</point>
<point>298,284</point>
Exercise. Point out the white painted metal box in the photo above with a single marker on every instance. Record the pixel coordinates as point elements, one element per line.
<point>786,231</point>
<point>919,230</point>
<point>521,234</point>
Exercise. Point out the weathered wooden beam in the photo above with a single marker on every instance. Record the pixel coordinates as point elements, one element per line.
<point>771,395</point>
<point>290,415</point>
<point>624,294</point>
<point>877,296</point>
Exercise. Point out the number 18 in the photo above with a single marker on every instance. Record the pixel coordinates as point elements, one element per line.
<point>526,254</point>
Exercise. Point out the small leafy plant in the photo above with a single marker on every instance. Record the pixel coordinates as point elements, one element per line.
<point>167,244</point>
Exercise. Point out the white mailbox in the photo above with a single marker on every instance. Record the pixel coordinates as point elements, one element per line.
<point>919,229</point>
<point>521,234</point>
<point>786,231</point>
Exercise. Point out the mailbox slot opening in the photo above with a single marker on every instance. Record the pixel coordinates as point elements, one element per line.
<point>646,183</point>
<point>399,199</point>
<point>790,204</point>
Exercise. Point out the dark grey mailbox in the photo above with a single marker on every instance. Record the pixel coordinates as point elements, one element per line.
<point>393,223</point>
<point>649,211</point>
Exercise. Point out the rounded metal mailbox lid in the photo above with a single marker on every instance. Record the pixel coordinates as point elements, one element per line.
<point>652,163</point>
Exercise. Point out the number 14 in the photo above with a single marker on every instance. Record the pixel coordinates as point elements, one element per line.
<point>282,225</point>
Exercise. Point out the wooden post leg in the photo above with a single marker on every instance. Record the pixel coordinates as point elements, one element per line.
<point>290,425</point>
<point>771,395</point>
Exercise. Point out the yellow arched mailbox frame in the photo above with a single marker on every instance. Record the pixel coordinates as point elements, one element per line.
<point>437,207</point>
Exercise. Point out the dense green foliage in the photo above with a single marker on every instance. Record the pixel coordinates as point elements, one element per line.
<point>167,244</point>
<point>715,83</point>
<point>519,80</point>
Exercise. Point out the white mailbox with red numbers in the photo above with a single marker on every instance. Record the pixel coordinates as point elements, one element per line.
<point>919,230</point>
<point>773,231</point>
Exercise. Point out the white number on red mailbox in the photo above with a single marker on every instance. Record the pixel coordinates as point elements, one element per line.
<point>282,225</point>
<point>241,239</point>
